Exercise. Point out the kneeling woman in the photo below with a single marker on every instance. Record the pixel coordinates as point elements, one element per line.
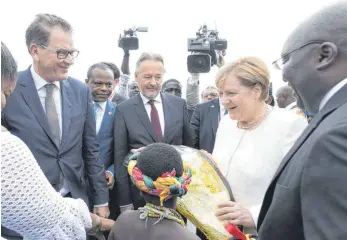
<point>158,219</point>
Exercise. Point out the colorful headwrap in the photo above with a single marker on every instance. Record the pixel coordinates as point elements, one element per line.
<point>165,186</point>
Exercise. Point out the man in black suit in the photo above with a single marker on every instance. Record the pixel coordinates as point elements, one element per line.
<point>307,198</point>
<point>147,118</point>
<point>205,120</point>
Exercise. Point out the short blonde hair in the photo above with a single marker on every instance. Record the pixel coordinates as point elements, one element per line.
<point>250,71</point>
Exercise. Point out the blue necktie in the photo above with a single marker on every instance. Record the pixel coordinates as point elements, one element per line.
<point>225,112</point>
<point>95,107</point>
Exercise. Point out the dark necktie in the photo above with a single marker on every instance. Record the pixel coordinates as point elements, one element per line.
<point>155,121</point>
<point>52,114</point>
<point>225,112</point>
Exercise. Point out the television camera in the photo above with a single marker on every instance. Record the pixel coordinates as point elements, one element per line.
<point>129,40</point>
<point>206,50</point>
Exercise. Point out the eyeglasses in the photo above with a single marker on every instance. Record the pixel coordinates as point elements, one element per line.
<point>62,53</point>
<point>278,64</point>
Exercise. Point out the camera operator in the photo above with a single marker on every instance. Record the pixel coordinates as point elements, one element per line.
<point>174,87</point>
<point>120,95</point>
<point>206,116</point>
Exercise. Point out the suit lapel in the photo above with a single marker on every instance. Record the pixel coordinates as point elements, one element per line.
<point>143,116</point>
<point>66,110</point>
<point>31,97</point>
<point>168,110</point>
<point>337,100</point>
<point>108,116</point>
<point>214,116</point>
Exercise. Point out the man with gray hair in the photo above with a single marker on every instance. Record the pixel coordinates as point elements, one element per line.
<point>307,198</point>
<point>285,98</point>
<point>146,118</point>
<point>53,114</point>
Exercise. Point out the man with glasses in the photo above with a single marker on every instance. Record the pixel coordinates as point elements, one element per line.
<point>53,114</point>
<point>146,118</point>
<point>307,196</point>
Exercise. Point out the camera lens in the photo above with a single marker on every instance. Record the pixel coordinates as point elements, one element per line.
<point>199,63</point>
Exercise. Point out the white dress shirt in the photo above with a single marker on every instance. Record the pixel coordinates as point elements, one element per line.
<point>158,103</point>
<point>41,90</point>
<point>100,111</point>
<point>332,92</point>
<point>292,107</point>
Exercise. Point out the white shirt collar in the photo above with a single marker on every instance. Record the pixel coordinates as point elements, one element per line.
<point>291,106</point>
<point>102,105</point>
<point>331,93</point>
<point>146,100</point>
<point>39,81</point>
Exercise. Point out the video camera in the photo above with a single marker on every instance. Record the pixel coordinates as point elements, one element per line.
<point>129,40</point>
<point>205,49</point>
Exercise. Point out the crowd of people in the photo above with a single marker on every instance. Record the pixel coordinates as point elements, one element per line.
<point>93,159</point>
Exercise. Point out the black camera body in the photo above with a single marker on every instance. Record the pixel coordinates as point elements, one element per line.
<point>129,40</point>
<point>205,50</point>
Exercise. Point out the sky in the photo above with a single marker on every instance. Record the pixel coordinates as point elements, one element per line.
<point>252,28</point>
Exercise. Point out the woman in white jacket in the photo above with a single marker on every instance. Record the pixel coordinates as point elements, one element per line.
<point>252,140</point>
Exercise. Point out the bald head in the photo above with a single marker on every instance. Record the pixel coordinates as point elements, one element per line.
<point>285,96</point>
<point>315,55</point>
<point>327,25</point>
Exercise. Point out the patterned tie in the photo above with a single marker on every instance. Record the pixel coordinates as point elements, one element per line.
<point>52,114</point>
<point>155,121</point>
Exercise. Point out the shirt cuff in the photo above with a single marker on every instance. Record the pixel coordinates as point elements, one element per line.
<point>110,172</point>
<point>101,205</point>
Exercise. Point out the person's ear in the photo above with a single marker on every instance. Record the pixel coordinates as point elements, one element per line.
<point>86,81</point>
<point>327,55</point>
<point>34,52</point>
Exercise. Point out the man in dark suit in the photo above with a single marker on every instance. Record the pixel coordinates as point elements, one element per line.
<point>147,118</point>
<point>53,114</point>
<point>205,120</point>
<point>307,198</point>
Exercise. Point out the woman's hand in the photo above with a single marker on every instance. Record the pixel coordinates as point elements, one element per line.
<point>103,224</point>
<point>234,213</point>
